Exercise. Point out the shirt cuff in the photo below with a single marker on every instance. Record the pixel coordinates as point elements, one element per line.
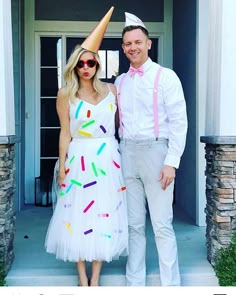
<point>172,161</point>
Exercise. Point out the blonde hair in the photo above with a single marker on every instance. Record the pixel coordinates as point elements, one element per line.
<point>72,79</point>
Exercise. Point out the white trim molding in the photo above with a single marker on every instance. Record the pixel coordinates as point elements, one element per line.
<point>201,62</point>
<point>7,118</point>
<point>221,86</point>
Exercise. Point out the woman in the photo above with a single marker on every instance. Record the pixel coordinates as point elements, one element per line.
<point>90,218</point>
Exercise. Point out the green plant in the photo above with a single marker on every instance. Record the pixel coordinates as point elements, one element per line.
<point>225,264</point>
<point>2,275</point>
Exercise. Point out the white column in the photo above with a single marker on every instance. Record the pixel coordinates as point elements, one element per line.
<point>221,83</point>
<point>7,117</point>
<point>202,58</point>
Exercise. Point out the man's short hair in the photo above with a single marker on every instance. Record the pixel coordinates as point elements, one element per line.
<point>131,28</point>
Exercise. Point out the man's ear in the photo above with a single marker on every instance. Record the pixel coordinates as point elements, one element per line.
<point>123,47</point>
<point>149,44</point>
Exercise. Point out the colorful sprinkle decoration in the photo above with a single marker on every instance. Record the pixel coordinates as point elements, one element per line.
<point>103,129</point>
<point>123,188</point>
<point>88,124</point>
<point>94,169</point>
<point>73,181</point>
<point>106,236</point>
<point>67,171</point>
<point>72,159</point>
<point>103,215</point>
<point>88,232</point>
<point>78,109</point>
<point>89,184</point>
<point>68,226</point>
<point>116,164</point>
<point>69,188</point>
<point>89,206</point>
<point>102,171</point>
<point>88,113</point>
<point>84,133</point>
<point>101,148</point>
<point>82,163</point>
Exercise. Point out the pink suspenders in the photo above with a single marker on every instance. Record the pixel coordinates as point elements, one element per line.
<point>118,102</point>
<point>155,104</point>
<point>155,100</point>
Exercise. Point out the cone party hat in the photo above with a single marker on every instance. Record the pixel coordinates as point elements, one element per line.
<point>94,40</point>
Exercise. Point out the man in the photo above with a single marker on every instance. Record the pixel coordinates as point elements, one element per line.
<point>153,127</point>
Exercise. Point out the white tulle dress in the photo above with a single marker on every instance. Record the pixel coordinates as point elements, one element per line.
<point>90,218</point>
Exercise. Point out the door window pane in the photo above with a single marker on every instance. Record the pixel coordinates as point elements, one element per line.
<point>47,167</point>
<point>102,55</point>
<point>49,142</point>
<point>70,45</point>
<point>110,63</point>
<point>50,51</point>
<point>49,117</point>
<point>49,82</point>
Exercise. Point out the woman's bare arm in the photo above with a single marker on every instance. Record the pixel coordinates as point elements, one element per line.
<point>62,106</point>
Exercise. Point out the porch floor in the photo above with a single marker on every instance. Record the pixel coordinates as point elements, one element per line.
<point>32,266</point>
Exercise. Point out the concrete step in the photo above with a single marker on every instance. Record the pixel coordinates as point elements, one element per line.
<point>32,266</point>
<point>68,277</point>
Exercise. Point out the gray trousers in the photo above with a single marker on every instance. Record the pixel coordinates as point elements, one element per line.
<point>142,162</point>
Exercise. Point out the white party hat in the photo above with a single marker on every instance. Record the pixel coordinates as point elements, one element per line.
<point>133,20</point>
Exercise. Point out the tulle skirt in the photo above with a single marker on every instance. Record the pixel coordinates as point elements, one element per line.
<point>90,217</point>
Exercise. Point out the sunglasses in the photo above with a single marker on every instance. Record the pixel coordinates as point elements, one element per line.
<point>90,63</point>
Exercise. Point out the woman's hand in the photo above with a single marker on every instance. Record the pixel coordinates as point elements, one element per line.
<point>61,176</point>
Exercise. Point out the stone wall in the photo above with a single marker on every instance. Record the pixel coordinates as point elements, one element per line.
<point>220,193</point>
<point>7,216</point>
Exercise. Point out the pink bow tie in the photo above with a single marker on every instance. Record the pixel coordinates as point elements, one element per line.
<point>132,71</point>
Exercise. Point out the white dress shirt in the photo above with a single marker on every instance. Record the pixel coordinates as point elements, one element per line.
<point>136,105</point>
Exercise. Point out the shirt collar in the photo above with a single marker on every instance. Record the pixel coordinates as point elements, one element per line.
<point>146,65</point>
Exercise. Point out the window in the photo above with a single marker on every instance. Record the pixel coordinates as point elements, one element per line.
<point>50,82</point>
<point>110,63</point>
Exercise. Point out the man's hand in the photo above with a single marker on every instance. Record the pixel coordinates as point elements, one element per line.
<point>167,175</point>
